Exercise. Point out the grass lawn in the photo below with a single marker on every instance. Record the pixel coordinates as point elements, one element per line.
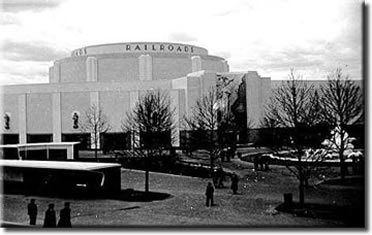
<point>258,192</point>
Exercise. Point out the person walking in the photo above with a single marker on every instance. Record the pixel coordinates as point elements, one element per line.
<point>32,211</point>
<point>234,183</point>
<point>65,216</point>
<point>50,217</point>
<point>209,193</point>
<point>215,177</point>
<point>221,176</point>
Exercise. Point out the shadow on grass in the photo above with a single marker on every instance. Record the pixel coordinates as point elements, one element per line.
<point>348,215</point>
<point>129,195</point>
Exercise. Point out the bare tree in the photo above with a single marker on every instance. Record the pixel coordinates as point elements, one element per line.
<point>95,123</point>
<point>203,120</point>
<point>209,119</point>
<point>291,107</point>
<point>342,102</point>
<point>151,125</point>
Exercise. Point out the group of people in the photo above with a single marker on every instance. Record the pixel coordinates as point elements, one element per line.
<point>210,188</point>
<point>50,219</point>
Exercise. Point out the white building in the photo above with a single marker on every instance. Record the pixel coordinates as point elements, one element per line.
<point>114,76</point>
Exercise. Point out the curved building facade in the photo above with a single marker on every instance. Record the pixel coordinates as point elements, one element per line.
<point>113,77</point>
<point>122,62</point>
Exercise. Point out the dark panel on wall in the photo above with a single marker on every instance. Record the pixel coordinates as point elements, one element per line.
<point>10,139</point>
<point>83,138</point>
<point>115,141</point>
<point>39,138</point>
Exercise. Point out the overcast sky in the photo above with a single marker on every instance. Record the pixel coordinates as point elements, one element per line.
<point>269,36</point>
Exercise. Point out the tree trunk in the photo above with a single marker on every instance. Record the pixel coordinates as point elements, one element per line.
<point>301,176</point>
<point>342,168</point>
<point>147,173</point>
<point>147,180</point>
<point>306,182</point>
<point>211,161</point>
<point>96,153</point>
<point>95,147</point>
<point>301,184</point>
<point>302,192</point>
<point>341,156</point>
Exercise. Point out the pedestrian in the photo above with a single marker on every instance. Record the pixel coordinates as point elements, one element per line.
<point>32,211</point>
<point>234,183</point>
<point>65,216</point>
<point>255,162</point>
<point>215,177</point>
<point>50,217</point>
<point>221,177</point>
<point>228,154</point>
<point>209,193</point>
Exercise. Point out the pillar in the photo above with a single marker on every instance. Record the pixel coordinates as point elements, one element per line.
<point>57,126</point>
<point>22,118</point>
<point>145,67</point>
<point>91,64</point>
